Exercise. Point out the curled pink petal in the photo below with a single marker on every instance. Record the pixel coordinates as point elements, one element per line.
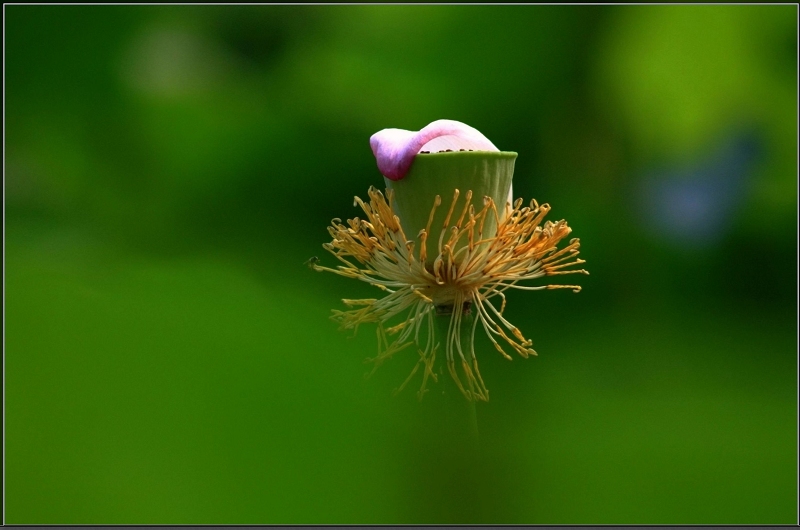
<point>395,149</point>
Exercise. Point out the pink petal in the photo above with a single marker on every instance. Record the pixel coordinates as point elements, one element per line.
<point>395,149</point>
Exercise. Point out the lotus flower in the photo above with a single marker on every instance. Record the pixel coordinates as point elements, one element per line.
<point>439,262</point>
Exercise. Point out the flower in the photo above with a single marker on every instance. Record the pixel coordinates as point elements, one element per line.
<point>439,262</point>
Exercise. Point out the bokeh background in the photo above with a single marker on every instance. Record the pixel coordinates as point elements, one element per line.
<point>169,358</point>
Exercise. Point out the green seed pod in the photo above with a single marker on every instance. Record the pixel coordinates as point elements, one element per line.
<point>483,173</point>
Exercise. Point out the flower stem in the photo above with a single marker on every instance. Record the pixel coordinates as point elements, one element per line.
<point>473,423</point>
<point>469,425</point>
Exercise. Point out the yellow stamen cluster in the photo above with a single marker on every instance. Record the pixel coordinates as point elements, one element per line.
<point>468,270</point>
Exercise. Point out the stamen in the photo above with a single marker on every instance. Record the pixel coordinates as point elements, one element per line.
<point>467,204</point>
<point>447,220</point>
<point>375,250</point>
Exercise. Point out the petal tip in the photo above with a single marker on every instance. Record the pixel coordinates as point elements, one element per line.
<point>395,149</point>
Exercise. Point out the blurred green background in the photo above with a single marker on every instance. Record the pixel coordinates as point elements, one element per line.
<point>169,358</point>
